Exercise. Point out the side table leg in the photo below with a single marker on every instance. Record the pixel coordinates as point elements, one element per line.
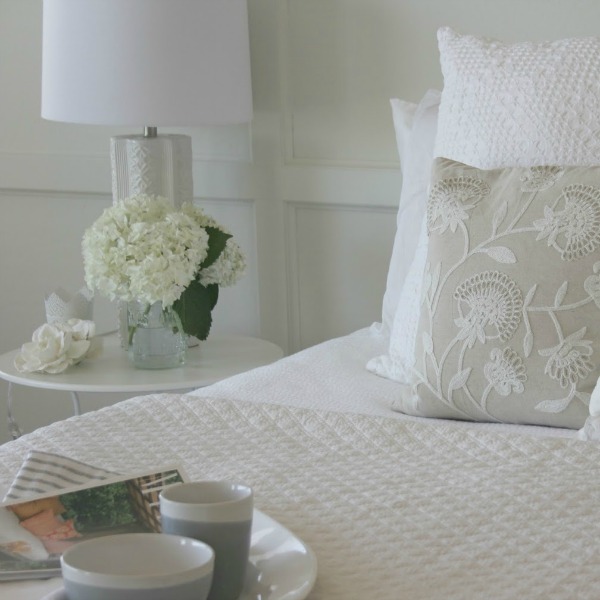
<point>13,427</point>
<point>76,405</point>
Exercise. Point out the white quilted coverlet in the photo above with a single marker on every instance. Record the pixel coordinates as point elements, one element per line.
<point>393,509</point>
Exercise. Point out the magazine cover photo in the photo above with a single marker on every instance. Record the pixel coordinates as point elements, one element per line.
<point>34,533</point>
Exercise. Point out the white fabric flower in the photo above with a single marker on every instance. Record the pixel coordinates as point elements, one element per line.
<point>54,348</point>
<point>80,329</point>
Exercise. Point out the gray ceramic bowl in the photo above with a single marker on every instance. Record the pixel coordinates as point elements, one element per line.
<point>138,566</point>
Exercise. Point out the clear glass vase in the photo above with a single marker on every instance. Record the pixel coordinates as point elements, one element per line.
<point>156,336</point>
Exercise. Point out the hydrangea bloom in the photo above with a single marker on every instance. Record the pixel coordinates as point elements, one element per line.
<point>230,265</point>
<point>227,269</point>
<point>145,249</point>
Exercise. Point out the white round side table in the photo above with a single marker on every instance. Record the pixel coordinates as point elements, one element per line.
<point>216,358</point>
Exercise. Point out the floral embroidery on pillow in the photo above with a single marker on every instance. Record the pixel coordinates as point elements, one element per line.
<point>576,226</point>
<point>505,373</point>
<point>509,327</point>
<point>488,300</point>
<point>450,199</point>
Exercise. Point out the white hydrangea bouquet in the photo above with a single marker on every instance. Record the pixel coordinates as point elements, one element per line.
<point>144,249</point>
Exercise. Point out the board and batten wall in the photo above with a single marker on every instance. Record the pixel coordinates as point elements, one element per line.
<point>310,188</point>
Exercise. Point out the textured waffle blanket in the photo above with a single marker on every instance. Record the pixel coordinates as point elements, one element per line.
<point>392,509</point>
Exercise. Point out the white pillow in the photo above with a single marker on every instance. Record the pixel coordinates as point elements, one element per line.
<point>403,115</point>
<point>520,104</point>
<point>405,274</point>
<point>400,358</point>
<point>415,128</point>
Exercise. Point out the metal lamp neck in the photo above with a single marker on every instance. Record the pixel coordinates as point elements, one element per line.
<point>150,132</point>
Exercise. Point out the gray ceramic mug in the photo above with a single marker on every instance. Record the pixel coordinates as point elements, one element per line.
<point>218,513</point>
<point>138,566</point>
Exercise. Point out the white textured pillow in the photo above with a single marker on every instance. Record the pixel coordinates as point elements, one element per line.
<point>415,128</point>
<point>520,104</point>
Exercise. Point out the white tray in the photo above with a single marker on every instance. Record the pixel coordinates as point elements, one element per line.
<point>281,565</point>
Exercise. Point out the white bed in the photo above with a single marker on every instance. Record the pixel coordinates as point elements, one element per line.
<point>394,506</point>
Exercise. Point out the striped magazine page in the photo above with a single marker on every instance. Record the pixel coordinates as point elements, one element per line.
<point>44,472</point>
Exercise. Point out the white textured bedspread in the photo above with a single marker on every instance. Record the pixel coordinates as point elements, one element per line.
<point>394,510</point>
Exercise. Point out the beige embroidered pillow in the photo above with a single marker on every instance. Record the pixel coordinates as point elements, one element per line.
<point>510,317</point>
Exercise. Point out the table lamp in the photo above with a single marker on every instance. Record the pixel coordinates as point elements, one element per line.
<point>147,63</point>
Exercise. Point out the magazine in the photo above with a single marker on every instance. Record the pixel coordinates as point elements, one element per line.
<point>34,533</point>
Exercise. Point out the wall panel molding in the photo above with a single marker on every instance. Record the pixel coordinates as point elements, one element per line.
<point>91,173</point>
<point>337,262</point>
<point>345,186</point>
<point>320,118</point>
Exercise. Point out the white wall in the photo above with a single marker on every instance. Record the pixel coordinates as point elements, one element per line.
<point>55,181</point>
<point>310,189</point>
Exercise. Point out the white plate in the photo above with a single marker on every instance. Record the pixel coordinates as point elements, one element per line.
<point>282,567</point>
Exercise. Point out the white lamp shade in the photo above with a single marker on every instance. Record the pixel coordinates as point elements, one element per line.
<point>146,62</point>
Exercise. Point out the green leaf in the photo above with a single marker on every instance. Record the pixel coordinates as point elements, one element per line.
<point>216,244</point>
<point>213,293</point>
<point>194,308</point>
